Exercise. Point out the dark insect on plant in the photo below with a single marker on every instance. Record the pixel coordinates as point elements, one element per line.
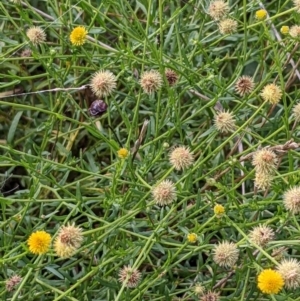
<point>98,107</point>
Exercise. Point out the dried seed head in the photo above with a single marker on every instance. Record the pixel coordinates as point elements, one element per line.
<point>297,5</point>
<point>181,158</point>
<point>218,9</point>
<point>291,200</point>
<point>129,276</point>
<point>26,52</point>
<point>296,111</point>
<point>210,296</point>
<point>225,122</point>
<point>151,81</point>
<point>226,254</point>
<point>171,77</point>
<point>36,35</point>
<point>97,108</point>
<point>244,85</point>
<point>264,161</point>
<point>290,271</point>
<point>228,26</point>
<point>12,282</point>
<point>62,250</point>
<point>103,83</point>
<point>199,289</point>
<point>295,31</point>
<point>164,193</point>
<point>263,180</point>
<point>271,93</point>
<point>261,235</point>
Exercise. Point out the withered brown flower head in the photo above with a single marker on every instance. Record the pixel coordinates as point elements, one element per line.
<point>244,85</point>
<point>130,276</point>
<point>210,296</point>
<point>171,77</point>
<point>12,282</point>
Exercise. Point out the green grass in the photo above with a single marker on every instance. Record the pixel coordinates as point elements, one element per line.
<point>59,165</point>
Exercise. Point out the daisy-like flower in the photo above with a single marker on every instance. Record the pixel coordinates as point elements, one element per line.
<point>123,153</point>
<point>68,241</point>
<point>290,271</point>
<point>270,281</point>
<point>263,180</point>
<point>226,254</point>
<point>210,296</point>
<point>219,210</point>
<point>271,93</point>
<point>296,111</point>
<point>171,76</point>
<point>181,158</point>
<point>218,9</point>
<point>284,30</point>
<point>103,83</point>
<point>264,161</point>
<point>228,26</point>
<point>36,35</point>
<point>297,5</point>
<point>151,81</point>
<point>164,193</point>
<point>12,282</point>
<point>78,36</point>
<point>261,14</point>
<point>244,85</point>
<point>295,31</point>
<point>291,200</point>
<point>129,276</point>
<point>192,237</point>
<point>225,122</point>
<point>39,242</point>
<point>261,235</point>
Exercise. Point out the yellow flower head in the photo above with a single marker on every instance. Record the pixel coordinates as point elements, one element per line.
<point>219,210</point>
<point>261,14</point>
<point>39,242</point>
<point>123,153</point>
<point>270,281</point>
<point>271,93</point>
<point>78,36</point>
<point>192,237</point>
<point>284,29</point>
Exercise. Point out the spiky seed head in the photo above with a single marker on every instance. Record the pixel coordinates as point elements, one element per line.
<point>129,276</point>
<point>12,282</point>
<point>164,193</point>
<point>264,161</point>
<point>244,85</point>
<point>36,35</point>
<point>225,122</point>
<point>151,81</point>
<point>291,200</point>
<point>228,26</point>
<point>218,9</point>
<point>296,111</point>
<point>271,93</point>
<point>290,271</point>
<point>210,296</point>
<point>226,254</point>
<point>26,52</point>
<point>199,289</point>
<point>71,235</point>
<point>103,83</point>
<point>297,5</point>
<point>63,250</point>
<point>295,31</point>
<point>263,180</point>
<point>171,76</point>
<point>261,235</point>
<point>181,158</point>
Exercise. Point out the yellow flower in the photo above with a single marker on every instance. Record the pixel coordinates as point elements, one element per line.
<point>270,281</point>
<point>284,29</point>
<point>78,36</point>
<point>192,237</point>
<point>123,153</point>
<point>39,242</point>
<point>261,14</point>
<point>219,210</point>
